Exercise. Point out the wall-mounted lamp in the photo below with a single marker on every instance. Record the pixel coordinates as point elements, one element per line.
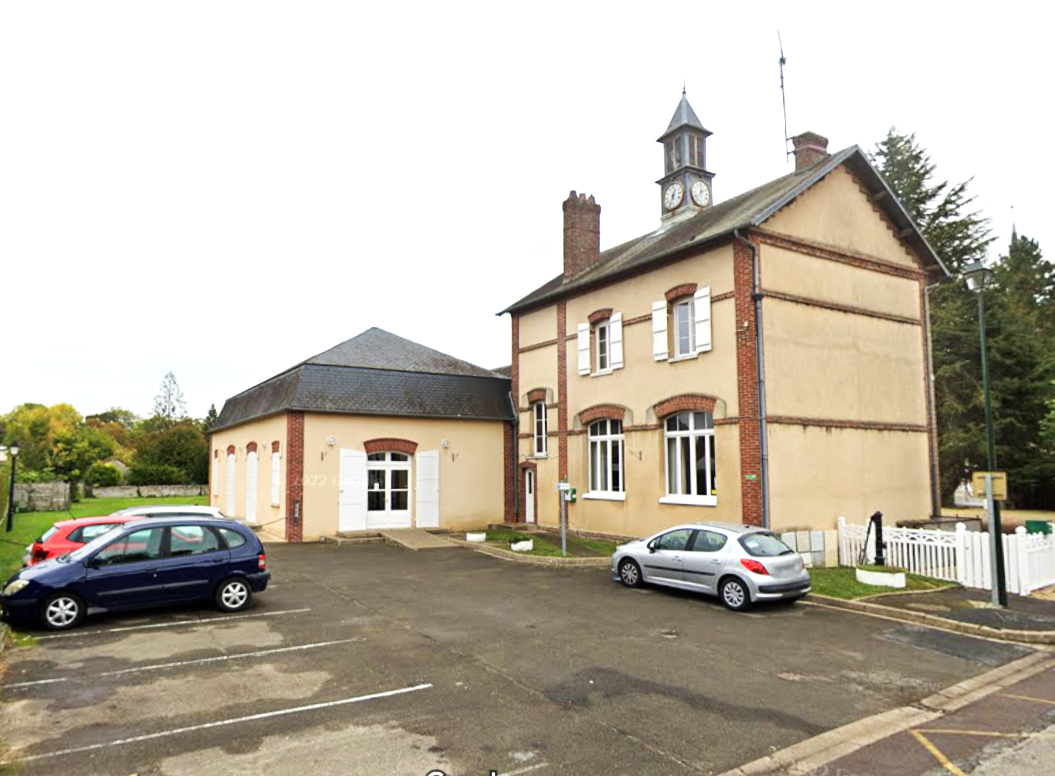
<point>445,444</point>
<point>331,441</point>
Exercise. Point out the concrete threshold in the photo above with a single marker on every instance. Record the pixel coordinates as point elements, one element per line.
<point>416,539</point>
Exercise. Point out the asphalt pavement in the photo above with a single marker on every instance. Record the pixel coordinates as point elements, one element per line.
<point>378,660</point>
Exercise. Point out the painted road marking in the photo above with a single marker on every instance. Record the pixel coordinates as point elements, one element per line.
<point>203,621</point>
<point>220,723</point>
<point>985,733</point>
<point>199,661</point>
<point>941,758</point>
<point>526,770</point>
<point>1045,701</point>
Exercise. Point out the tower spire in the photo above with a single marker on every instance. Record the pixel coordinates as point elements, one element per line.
<point>1014,228</point>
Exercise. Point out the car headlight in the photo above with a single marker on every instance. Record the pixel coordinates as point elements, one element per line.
<point>16,586</point>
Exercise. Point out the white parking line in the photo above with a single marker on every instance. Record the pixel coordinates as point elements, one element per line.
<point>199,661</point>
<point>526,770</point>
<point>203,621</point>
<point>220,723</point>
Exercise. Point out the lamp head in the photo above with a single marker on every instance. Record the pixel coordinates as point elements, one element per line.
<point>13,447</point>
<point>977,275</point>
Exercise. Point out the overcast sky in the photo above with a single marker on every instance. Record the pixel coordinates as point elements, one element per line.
<point>223,189</point>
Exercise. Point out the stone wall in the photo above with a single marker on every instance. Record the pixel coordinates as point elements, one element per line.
<point>150,491</point>
<point>42,496</point>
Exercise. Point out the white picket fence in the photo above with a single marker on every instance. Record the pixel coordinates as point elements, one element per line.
<point>961,556</point>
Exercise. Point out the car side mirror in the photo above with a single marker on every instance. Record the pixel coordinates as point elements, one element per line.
<point>652,546</point>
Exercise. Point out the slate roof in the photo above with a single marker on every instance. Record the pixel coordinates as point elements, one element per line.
<point>377,373</point>
<point>683,116</point>
<point>751,208</point>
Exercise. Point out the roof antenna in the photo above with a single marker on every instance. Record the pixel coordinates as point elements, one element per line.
<point>783,98</point>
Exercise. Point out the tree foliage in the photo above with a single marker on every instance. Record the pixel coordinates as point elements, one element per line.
<point>169,404</point>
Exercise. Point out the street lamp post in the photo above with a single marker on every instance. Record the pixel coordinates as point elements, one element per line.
<point>13,450</point>
<point>978,277</point>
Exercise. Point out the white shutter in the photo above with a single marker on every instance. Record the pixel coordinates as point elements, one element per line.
<point>229,505</point>
<point>276,478</point>
<point>659,330</point>
<point>428,489</point>
<point>615,332</point>
<point>251,468</point>
<point>215,489</point>
<point>352,497</point>
<point>584,348</point>
<point>702,307</point>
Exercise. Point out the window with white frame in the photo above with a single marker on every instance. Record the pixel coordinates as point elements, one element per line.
<point>692,473</point>
<point>600,345</point>
<point>539,417</point>
<point>605,439</point>
<point>600,337</point>
<point>684,334</point>
<point>276,477</point>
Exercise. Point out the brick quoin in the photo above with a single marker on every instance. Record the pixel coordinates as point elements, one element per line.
<point>390,445</point>
<point>747,385</point>
<point>599,411</point>
<point>686,402</point>
<point>510,445</point>
<point>562,390</point>
<point>294,475</point>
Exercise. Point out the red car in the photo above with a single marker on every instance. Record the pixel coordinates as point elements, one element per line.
<point>67,535</point>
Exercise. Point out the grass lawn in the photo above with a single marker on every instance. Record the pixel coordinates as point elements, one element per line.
<point>841,583</point>
<point>29,525</point>
<point>548,544</point>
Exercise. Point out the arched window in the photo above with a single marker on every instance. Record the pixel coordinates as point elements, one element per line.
<point>692,473</point>
<point>606,457</point>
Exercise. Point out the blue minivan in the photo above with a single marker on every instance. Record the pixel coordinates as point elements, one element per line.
<point>142,564</point>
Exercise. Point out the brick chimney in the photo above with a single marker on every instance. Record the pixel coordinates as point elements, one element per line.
<point>809,148</point>
<point>582,233</point>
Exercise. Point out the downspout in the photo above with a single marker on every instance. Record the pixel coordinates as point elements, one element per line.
<point>515,422</point>
<point>932,410</point>
<point>761,374</point>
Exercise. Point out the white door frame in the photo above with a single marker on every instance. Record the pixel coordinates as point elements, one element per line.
<point>388,517</point>
<point>529,495</point>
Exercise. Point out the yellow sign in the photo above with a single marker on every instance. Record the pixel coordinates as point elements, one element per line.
<point>999,485</point>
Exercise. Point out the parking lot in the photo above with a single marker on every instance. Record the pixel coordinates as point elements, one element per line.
<point>378,660</point>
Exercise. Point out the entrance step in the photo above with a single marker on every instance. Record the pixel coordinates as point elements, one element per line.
<point>352,538</point>
<point>416,539</point>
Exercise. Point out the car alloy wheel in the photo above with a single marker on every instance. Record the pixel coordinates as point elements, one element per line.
<point>233,595</point>
<point>62,611</point>
<point>735,595</point>
<point>630,573</point>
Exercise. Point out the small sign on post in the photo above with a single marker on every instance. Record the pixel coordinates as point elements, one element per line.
<point>999,480</point>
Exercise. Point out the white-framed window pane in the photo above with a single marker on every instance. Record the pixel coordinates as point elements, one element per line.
<point>684,335</point>
<point>712,466</point>
<point>691,469</point>
<point>601,333</point>
<point>685,464</point>
<point>672,465</point>
<point>617,465</point>
<point>701,473</point>
<point>540,428</point>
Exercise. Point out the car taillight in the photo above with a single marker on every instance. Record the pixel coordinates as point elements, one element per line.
<point>754,565</point>
<point>39,553</point>
<point>262,561</point>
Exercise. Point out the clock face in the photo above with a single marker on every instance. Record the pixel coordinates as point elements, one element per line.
<point>701,195</point>
<point>673,195</point>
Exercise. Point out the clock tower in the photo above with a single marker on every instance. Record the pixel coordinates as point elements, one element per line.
<point>685,188</point>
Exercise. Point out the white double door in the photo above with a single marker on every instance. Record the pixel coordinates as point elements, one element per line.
<point>375,490</point>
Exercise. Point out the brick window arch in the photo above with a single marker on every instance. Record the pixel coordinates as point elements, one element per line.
<point>600,411</point>
<point>685,402</point>
<point>679,291</point>
<point>250,448</point>
<point>390,445</point>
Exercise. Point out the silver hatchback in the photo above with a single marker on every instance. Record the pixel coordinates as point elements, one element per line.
<point>740,564</point>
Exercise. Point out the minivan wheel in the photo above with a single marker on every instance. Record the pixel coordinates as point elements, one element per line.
<point>233,595</point>
<point>61,611</point>
<point>630,574</point>
<point>735,595</point>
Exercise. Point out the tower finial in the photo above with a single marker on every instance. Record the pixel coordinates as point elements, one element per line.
<point>683,82</point>
<point>1014,228</point>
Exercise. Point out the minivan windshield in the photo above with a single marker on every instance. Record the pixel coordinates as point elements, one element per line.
<point>764,545</point>
<point>99,541</point>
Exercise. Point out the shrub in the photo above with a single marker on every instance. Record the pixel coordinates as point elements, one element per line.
<point>103,475</point>
<point>156,474</point>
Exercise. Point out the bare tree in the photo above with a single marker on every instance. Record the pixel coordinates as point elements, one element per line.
<point>169,402</point>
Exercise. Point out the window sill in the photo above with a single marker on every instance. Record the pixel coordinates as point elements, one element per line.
<point>538,456</point>
<point>691,501</point>
<point>275,504</point>
<point>604,495</point>
<point>601,372</point>
<point>687,357</point>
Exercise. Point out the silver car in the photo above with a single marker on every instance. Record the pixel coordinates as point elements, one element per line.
<point>740,564</point>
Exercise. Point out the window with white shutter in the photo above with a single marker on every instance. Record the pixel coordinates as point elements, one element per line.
<point>702,319</point>
<point>659,331</point>
<point>615,331</point>
<point>584,348</point>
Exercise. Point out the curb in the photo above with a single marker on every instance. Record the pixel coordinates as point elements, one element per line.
<point>814,753</point>
<point>536,560</point>
<point>970,628</point>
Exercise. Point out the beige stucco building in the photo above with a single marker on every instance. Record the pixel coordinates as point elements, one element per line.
<point>763,359</point>
<point>375,433</point>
